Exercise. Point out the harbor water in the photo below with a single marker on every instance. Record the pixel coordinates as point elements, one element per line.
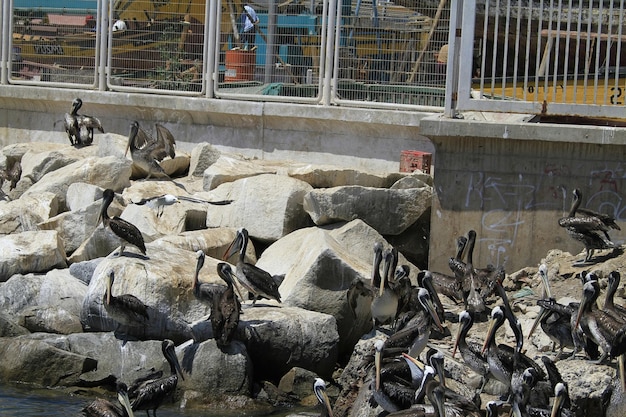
<point>25,401</point>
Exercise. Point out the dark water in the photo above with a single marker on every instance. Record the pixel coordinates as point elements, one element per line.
<point>23,401</point>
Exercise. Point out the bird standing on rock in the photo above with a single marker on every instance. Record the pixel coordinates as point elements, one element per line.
<point>124,230</point>
<point>147,152</point>
<point>254,279</point>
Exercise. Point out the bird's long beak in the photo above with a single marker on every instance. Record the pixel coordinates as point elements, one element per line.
<point>431,309</point>
<point>458,338</point>
<point>378,357</point>
<point>556,405</point>
<point>542,314</point>
<point>321,394</point>
<point>581,309</point>
<point>490,335</point>
<point>232,249</point>
<point>109,284</point>
<point>122,397</point>
<point>172,354</point>
<point>417,362</point>
<point>439,401</point>
<point>621,365</point>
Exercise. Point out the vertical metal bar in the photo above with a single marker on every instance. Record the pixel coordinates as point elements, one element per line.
<point>539,55</point>
<point>607,56</point>
<point>588,50</point>
<point>102,26</point>
<point>464,57</point>
<point>270,44</point>
<point>505,58</point>
<point>527,50</point>
<point>333,25</point>
<point>494,54</point>
<point>453,73</point>
<point>211,47</point>
<point>323,48</point>
<point>568,26</point>
<point>483,53</point>
<point>618,54</point>
<point>7,18</point>
<point>557,53</point>
<point>577,56</point>
<point>598,47</point>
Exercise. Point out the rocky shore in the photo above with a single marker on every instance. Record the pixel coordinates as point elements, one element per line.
<point>316,225</point>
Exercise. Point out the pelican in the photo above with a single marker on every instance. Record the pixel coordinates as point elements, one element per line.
<point>125,231</point>
<point>104,408</point>
<point>385,303</point>
<point>514,323</point>
<point>471,352</point>
<point>70,122</point>
<point>617,311</point>
<point>147,152</point>
<point>587,228</point>
<point>125,309</point>
<point>604,329</point>
<point>254,279</point>
<point>12,172</point>
<point>472,297</point>
<point>152,394</point>
<point>425,279</point>
<point>360,296</point>
<point>77,124</point>
<point>203,291</point>
<point>390,394</point>
<point>502,358</point>
<point>319,388</point>
<point>226,309</point>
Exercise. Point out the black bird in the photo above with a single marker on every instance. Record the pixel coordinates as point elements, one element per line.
<point>254,279</point>
<point>387,391</point>
<point>590,229</point>
<point>471,352</point>
<point>610,307</point>
<point>104,408</point>
<point>319,388</point>
<point>147,152</point>
<point>124,230</point>
<point>604,329</point>
<point>125,309</point>
<point>12,172</point>
<point>152,394</point>
<point>203,291</point>
<point>502,359</point>
<point>80,127</point>
<point>226,309</point>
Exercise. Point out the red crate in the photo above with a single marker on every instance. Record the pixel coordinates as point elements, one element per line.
<point>412,160</point>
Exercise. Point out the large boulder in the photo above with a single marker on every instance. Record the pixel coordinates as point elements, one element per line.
<point>25,213</point>
<point>50,303</point>
<point>49,157</point>
<point>228,168</point>
<point>268,206</point>
<point>34,251</point>
<point>279,338</point>
<point>107,172</point>
<point>37,362</point>
<point>389,211</point>
<point>162,280</point>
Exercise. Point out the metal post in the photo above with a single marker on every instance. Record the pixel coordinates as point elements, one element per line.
<point>211,47</point>
<point>270,43</point>
<point>452,68</point>
<point>329,62</point>
<point>102,42</point>
<point>6,38</point>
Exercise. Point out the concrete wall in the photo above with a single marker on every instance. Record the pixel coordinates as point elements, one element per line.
<point>508,181</point>
<point>350,137</point>
<point>512,182</point>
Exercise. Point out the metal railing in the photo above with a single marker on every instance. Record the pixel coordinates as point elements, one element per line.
<point>361,53</point>
<point>505,55</point>
<point>542,57</point>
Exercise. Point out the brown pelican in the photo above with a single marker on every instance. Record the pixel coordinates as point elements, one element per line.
<point>604,329</point>
<point>125,309</point>
<point>104,408</point>
<point>319,388</point>
<point>12,172</point>
<point>360,296</point>
<point>471,284</point>
<point>226,309</point>
<point>70,122</point>
<point>152,394</point>
<point>589,229</point>
<point>425,280</point>
<point>514,323</point>
<point>203,291</point>
<point>392,395</point>
<point>147,152</point>
<point>385,303</point>
<point>124,230</point>
<point>471,352</point>
<point>79,127</point>
<point>617,311</point>
<point>502,358</point>
<point>254,279</point>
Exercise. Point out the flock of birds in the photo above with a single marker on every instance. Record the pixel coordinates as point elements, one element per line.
<point>409,314</point>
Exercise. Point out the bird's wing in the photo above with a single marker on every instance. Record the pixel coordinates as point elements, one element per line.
<point>142,138</point>
<point>198,200</point>
<point>166,140</point>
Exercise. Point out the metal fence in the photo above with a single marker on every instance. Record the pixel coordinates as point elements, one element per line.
<point>540,57</point>
<point>544,57</point>
<point>366,53</point>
